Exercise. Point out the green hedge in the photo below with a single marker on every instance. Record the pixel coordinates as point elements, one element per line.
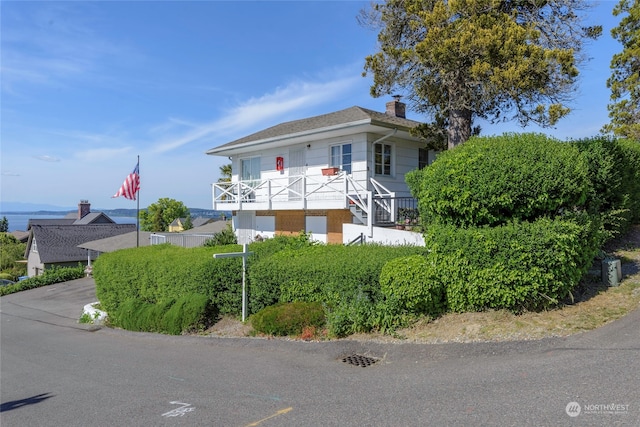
<point>631,176</point>
<point>495,180</point>
<point>48,277</point>
<point>517,266</point>
<point>190,313</point>
<point>614,172</point>
<point>288,318</point>
<point>330,274</point>
<point>415,284</point>
<point>164,272</point>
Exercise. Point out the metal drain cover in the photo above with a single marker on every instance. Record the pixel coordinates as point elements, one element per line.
<point>359,360</point>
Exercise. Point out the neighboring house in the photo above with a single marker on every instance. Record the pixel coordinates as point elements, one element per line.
<point>178,224</point>
<point>189,238</point>
<point>54,242</point>
<point>336,176</point>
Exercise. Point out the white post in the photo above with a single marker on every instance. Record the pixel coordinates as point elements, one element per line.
<point>244,254</point>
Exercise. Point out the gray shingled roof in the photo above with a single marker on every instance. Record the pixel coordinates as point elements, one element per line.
<point>121,241</point>
<point>59,243</point>
<point>342,117</point>
<point>94,218</point>
<point>50,221</point>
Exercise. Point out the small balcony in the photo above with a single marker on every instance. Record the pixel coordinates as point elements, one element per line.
<point>338,191</point>
<point>377,206</point>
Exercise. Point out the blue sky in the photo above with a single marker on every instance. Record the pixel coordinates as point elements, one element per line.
<point>86,87</point>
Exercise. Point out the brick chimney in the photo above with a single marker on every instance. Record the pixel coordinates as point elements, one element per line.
<point>396,108</point>
<point>84,207</point>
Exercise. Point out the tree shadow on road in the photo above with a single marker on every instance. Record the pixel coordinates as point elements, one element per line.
<point>15,404</point>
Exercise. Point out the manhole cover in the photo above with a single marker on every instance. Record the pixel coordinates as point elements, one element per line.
<point>359,360</point>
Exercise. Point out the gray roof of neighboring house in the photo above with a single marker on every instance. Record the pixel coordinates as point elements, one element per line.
<point>21,236</point>
<point>94,218</point>
<point>72,219</point>
<point>49,221</point>
<point>196,222</point>
<point>342,117</point>
<point>121,241</point>
<point>210,227</point>
<point>59,243</point>
<point>128,240</point>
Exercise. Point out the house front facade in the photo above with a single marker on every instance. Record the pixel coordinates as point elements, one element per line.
<point>322,174</point>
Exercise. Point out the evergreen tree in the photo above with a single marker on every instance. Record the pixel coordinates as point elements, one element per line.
<point>4,225</point>
<point>624,110</point>
<point>457,60</point>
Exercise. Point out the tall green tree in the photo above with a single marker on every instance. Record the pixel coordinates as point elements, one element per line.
<point>11,250</point>
<point>188,223</point>
<point>459,60</point>
<point>624,110</point>
<point>159,215</point>
<point>4,225</point>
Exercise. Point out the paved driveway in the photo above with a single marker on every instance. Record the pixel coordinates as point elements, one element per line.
<point>56,372</point>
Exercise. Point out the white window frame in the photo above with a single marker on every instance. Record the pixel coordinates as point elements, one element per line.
<point>338,158</point>
<point>379,164</point>
<point>254,166</point>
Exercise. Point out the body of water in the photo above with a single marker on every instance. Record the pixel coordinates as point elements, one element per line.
<point>20,221</point>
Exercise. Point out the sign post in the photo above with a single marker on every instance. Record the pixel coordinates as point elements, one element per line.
<point>244,254</point>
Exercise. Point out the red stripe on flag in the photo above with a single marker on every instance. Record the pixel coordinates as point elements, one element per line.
<point>130,186</point>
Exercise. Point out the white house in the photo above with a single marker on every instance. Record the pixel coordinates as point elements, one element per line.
<point>337,176</point>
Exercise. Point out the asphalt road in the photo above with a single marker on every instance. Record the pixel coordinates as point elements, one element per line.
<point>56,372</point>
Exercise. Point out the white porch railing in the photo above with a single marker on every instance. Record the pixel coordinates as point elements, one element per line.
<point>339,191</point>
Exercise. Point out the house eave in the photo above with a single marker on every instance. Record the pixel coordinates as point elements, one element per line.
<point>344,129</point>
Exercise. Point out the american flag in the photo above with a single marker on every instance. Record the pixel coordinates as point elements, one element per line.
<point>131,185</point>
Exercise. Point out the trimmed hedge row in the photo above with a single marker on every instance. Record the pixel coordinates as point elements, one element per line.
<point>518,266</point>
<point>190,313</point>
<point>164,272</point>
<point>614,171</point>
<point>331,274</point>
<point>495,180</point>
<point>48,277</point>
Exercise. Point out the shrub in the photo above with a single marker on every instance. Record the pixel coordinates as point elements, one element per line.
<point>224,237</point>
<point>415,284</point>
<point>631,177</point>
<point>164,272</point>
<point>288,318</point>
<point>325,273</point>
<point>614,190</point>
<point>190,313</point>
<point>517,266</point>
<point>494,180</point>
<point>48,277</point>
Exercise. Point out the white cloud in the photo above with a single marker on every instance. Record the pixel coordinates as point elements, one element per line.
<point>267,108</point>
<point>47,158</point>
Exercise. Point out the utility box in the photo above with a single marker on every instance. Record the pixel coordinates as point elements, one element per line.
<point>611,272</point>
